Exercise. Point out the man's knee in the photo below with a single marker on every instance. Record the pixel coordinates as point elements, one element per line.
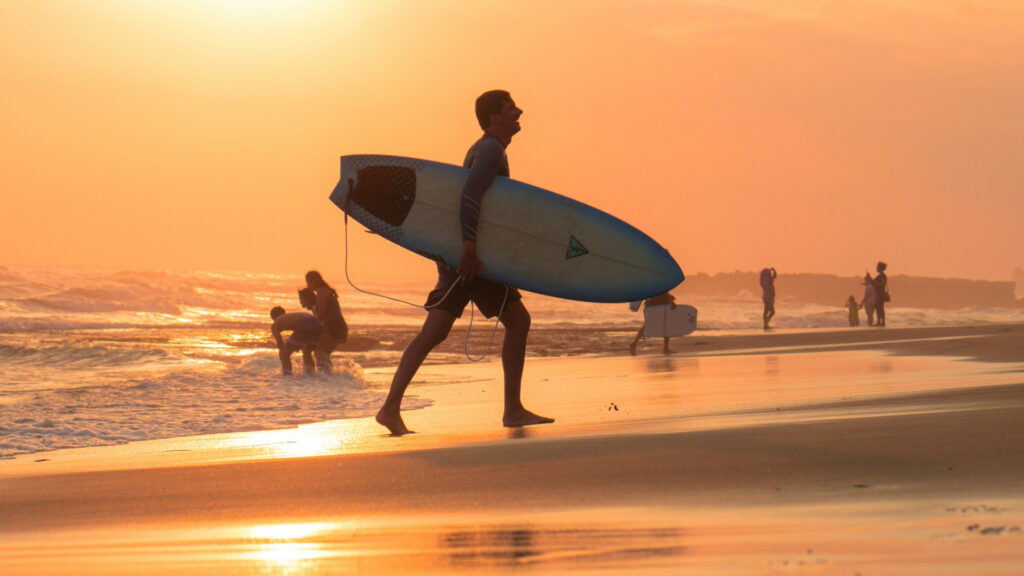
<point>516,319</point>
<point>435,330</point>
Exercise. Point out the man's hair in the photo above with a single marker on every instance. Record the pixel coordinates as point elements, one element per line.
<point>276,311</point>
<point>490,103</point>
<point>307,297</point>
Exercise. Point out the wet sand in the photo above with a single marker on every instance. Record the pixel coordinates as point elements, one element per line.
<point>843,451</point>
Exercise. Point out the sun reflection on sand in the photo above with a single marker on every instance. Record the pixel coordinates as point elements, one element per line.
<point>302,442</point>
<point>284,552</point>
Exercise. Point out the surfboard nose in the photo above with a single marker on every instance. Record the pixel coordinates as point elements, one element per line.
<point>673,273</point>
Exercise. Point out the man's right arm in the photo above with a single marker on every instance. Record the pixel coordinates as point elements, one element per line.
<point>482,171</point>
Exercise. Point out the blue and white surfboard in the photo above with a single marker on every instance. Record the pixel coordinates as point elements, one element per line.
<point>527,237</point>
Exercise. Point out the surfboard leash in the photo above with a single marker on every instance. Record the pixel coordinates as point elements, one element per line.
<point>462,279</point>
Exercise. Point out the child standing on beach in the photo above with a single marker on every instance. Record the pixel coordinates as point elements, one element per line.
<point>851,304</point>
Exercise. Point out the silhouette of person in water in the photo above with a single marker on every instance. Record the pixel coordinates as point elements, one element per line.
<point>305,329</point>
<point>768,276</point>
<point>853,307</point>
<point>881,293</point>
<point>324,305</point>
<point>665,299</point>
<point>868,302</point>
<point>498,116</point>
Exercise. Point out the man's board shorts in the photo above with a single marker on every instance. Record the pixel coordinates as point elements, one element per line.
<point>307,331</point>
<point>488,296</point>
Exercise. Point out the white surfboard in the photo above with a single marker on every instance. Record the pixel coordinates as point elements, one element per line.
<point>666,322</point>
<point>527,237</point>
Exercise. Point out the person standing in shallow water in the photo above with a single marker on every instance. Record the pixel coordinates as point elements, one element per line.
<point>305,329</point>
<point>868,302</point>
<point>325,306</point>
<point>498,115</point>
<point>881,293</point>
<point>768,276</point>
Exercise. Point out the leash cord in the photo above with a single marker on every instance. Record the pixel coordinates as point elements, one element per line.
<point>462,279</point>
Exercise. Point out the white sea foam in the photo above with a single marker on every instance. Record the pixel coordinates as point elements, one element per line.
<point>201,399</point>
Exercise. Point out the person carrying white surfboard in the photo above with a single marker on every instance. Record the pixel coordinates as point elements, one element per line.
<point>498,115</point>
<point>665,299</point>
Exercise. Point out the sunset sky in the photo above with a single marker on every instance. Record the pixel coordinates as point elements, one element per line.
<point>810,136</point>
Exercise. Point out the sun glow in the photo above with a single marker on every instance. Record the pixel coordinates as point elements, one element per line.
<point>257,7</point>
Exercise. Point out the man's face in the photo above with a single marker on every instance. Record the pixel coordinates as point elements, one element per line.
<point>508,119</point>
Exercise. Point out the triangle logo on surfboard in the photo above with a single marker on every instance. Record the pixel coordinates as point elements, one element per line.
<point>575,248</point>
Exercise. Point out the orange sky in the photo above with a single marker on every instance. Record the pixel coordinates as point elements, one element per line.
<point>811,136</point>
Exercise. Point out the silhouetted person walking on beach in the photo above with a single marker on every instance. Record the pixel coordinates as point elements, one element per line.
<point>499,117</point>
<point>665,299</point>
<point>768,276</point>
<point>881,293</point>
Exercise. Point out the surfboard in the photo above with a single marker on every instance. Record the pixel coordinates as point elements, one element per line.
<point>664,322</point>
<point>527,237</point>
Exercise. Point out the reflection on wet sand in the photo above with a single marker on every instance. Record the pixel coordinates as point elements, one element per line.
<point>519,433</point>
<point>687,365</point>
<point>656,364</point>
<point>521,545</point>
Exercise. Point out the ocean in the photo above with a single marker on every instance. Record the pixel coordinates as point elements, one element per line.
<point>92,357</point>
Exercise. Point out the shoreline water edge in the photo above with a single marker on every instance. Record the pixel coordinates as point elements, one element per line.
<point>93,358</point>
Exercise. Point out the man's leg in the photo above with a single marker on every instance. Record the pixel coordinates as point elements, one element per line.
<point>285,354</point>
<point>434,331</point>
<point>516,320</point>
<point>769,312</point>
<point>307,359</point>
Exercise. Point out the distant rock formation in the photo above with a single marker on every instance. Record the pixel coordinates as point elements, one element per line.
<point>828,290</point>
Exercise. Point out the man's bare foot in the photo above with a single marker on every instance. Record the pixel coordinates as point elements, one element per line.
<point>668,351</point>
<point>524,417</point>
<point>393,422</point>
<point>632,348</point>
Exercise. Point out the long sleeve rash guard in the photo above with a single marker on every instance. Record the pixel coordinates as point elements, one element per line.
<point>486,159</point>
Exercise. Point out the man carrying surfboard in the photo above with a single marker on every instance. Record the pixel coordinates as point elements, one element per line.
<point>498,116</point>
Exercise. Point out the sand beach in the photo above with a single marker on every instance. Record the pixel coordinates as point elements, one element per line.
<point>871,451</point>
